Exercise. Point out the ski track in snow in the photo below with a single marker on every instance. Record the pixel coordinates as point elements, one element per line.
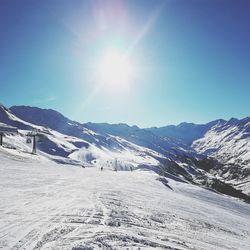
<point>50,206</point>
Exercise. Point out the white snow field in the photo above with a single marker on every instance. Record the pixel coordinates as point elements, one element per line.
<point>44,205</point>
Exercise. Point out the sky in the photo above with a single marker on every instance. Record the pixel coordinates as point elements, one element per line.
<point>188,60</point>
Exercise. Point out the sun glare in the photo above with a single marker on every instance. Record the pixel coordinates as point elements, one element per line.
<point>115,68</point>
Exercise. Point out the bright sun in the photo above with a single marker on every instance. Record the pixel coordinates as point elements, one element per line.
<point>115,68</point>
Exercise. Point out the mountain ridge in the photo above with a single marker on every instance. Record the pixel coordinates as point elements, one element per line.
<point>99,143</point>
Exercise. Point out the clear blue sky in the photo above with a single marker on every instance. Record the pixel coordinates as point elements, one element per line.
<point>192,58</point>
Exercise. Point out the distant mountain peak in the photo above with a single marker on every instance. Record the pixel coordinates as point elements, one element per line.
<point>91,141</point>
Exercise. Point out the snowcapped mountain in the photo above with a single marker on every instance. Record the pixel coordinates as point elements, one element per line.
<point>113,146</point>
<point>87,147</point>
<point>186,132</point>
<point>229,142</point>
<point>54,120</point>
<point>51,143</point>
<point>103,134</point>
<point>69,207</point>
<point>7,117</point>
<point>164,145</point>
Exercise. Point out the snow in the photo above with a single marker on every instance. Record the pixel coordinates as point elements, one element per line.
<point>45,205</point>
<point>88,148</point>
<point>122,159</point>
<point>230,144</point>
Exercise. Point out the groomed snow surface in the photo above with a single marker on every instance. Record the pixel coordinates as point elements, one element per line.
<point>44,205</point>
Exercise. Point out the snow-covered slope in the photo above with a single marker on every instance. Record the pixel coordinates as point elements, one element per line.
<point>142,137</point>
<point>54,120</point>
<point>229,143</point>
<point>113,146</point>
<point>97,149</point>
<point>51,143</point>
<point>119,145</point>
<point>45,205</point>
<point>102,134</point>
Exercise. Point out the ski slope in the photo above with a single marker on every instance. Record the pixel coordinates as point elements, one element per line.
<point>45,205</point>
